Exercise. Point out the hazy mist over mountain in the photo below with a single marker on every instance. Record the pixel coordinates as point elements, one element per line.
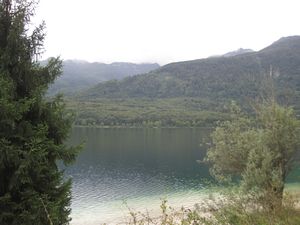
<point>79,74</point>
<point>238,52</point>
<point>234,74</point>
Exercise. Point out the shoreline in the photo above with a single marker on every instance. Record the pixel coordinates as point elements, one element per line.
<point>118,212</point>
<point>138,127</point>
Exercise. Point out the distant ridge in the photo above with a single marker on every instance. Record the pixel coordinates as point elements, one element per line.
<point>79,75</point>
<point>240,51</point>
<point>213,78</point>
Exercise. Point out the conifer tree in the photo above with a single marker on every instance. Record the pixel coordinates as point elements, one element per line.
<point>32,129</point>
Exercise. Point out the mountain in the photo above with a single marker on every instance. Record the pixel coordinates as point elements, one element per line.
<point>240,51</point>
<point>193,93</point>
<point>79,75</point>
<point>214,78</point>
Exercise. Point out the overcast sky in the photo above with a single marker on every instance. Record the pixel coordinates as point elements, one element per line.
<point>163,31</point>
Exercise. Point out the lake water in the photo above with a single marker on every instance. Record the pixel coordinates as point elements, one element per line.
<point>138,168</point>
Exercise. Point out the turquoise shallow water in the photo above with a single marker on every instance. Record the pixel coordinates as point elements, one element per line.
<point>139,167</point>
<point>136,166</point>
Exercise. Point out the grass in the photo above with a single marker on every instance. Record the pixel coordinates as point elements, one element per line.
<point>233,209</point>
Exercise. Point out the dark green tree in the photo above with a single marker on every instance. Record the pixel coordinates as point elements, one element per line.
<point>32,128</point>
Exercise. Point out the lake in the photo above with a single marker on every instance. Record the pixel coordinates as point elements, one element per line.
<point>122,167</point>
<point>136,166</point>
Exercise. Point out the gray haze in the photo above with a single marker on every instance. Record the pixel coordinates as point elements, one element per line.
<point>163,30</point>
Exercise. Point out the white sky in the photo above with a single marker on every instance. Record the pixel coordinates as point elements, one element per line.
<point>163,31</point>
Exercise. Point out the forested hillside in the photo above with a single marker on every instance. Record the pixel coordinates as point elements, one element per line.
<point>194,93</point>
<point>217,77</point>
<point>80,75</point>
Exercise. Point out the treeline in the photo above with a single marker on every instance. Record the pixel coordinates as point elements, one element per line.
<point>175,112</point>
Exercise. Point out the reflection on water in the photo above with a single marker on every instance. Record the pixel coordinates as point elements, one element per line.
<point>139,166</point>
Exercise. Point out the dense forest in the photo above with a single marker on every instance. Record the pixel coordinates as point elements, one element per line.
<point>193,93</point>
<point>215,77</point>
<point>171,112</point>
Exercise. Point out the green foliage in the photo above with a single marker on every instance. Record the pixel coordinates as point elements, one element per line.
<point>211,82</point>
<point>168,216</point>
<point>232,141</point>
<point>32,130</point>
<point>261,151</point>
<point>239,209</point>
<point>175,112</point>
<point>234,209</point>
<point>218,78</point>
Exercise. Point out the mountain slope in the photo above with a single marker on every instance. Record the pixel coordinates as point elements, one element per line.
<point>240,51</point>
<point>79,75</point>
<point>214,78</point>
